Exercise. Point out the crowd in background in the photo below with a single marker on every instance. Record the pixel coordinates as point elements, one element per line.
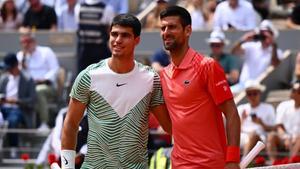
<point>62,15</point>
<point>260,19</point>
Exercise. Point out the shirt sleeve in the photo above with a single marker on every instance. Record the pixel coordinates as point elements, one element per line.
<point>217,83</point>
<point>157,95</point>
<point>81,87</point>
<point>280,54</point>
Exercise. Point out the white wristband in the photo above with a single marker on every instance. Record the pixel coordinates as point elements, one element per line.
<point>67,159</point>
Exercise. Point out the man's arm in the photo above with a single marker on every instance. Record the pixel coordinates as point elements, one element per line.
<point>233,130</point>
<point>69,132</point>
<point>233,123</point>
<point>71,124</point>
<point>274,60</point>
<point>237,49</point>
<point>162,115</point>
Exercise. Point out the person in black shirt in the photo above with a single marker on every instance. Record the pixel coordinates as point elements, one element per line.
<point>39,16</point>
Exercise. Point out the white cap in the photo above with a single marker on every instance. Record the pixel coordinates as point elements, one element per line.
<point>254,85</point>
<point>268,25</point>
<point>217,36</point>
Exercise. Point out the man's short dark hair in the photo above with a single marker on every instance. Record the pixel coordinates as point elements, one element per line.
<point>128,20</point>
<point>184,15</point>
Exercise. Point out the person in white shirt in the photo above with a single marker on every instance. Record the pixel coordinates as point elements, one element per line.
<point>41,63</point>
<point>288,126</point>
<point>66,20</point>
<point>17,92</point>
<point>257,117</point>
<point>259,50</point>
<point>235,15</point>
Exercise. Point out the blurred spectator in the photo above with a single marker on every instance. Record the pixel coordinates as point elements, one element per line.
<point>259,50</point>
<point>120,6</point>
<point>288,126</point>
<point>10,19</point>
<point>235,15</point>
<point>53,142</point>
<point>217,42</point>
<point>293,20</point>
<point>160,59</point>
<point>42,64</point>
<point>257,118</point>
<point>198,13</point>
<point>39,16</point>
<point>17,97</point>
<point>152,19</point>
<point>94,19</point>
<point>66,20</point>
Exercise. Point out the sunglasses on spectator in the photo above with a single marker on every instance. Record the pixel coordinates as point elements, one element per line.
<point>216,45</point>
<point>253,93</point>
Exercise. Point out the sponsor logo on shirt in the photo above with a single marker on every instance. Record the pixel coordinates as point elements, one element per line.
<point>120,84</point>
<point>186,82</point>
<point>222,82</point>
<point>65,160</point>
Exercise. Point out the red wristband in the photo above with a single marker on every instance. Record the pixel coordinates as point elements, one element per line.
<point>233,154</point>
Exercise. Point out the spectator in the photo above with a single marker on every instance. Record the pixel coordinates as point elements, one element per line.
<point>217,42</point>
<point>94,18</point>
<point>288,126</point>
<point>17,97</point>
<point>67,21</point>
<point>10,19</point>
<point>293,20</point>
<point>39,16</point>
<point>259,50</point>
<point>160,59</point>
<point>42,64</point>
<point>235,15</point>
<point>152,19</point>
<point>257,118</point>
